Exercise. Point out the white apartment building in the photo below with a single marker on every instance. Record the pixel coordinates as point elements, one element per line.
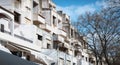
<point>34,30</point>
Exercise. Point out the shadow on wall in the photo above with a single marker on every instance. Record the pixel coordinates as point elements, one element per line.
<point>8,59</point>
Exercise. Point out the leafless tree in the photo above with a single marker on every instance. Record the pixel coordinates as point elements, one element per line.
<point>102,31</point>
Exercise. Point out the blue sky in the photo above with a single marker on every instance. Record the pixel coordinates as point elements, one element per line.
<point>73,2</point>
<point>74,8</point>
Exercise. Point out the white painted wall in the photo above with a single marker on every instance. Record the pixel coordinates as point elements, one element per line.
<point>27,31</point>
<point>7,4</point>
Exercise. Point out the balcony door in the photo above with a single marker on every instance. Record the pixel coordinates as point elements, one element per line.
<point>5,22</point>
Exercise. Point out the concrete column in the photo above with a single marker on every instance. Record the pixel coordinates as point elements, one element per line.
<point>12,27</point>
<point>70,31</point>
<point>58,55</point>
<point>22,21</point>
<point>65,59</point>
<point>32,11</point>
<point>73,33</point>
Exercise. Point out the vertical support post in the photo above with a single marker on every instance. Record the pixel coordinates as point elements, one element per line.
<point>12,27</point>
<point>58,55</point>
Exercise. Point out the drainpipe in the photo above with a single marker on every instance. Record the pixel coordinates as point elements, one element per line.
<point>65,59</point>
<point>58,55</point>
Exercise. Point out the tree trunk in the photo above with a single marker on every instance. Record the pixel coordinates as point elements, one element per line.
<point>100,59</point>
<point>96,58</point>
<point>100,62</point>
<point>106,59</point>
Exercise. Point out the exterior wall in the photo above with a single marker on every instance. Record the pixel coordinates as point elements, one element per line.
<point>45,3</point>
<point>33,41</point>
<point>47,15</point>
<point>8,4</point>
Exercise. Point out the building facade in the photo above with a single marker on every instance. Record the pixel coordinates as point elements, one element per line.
<point>35,31</point>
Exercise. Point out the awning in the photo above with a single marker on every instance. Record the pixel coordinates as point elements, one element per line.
<point>4,49</point>
<point>38,55</point>
<point>9,59</point>
<point>20,48</point>
<point>48,60</point>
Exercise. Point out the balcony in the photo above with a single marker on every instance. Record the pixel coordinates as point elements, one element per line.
<point>53,4</point>
<point>58,54</point>
<point>64,55</point>
<point>23,38</point>
<point>85,50</point>
<point>18,40</point>
<point>40,31</point>
<point>47,35</point>
<point>62,33</point>
<point>64,47</point>
<point>67,39</point>
<point>78,49</point>
<point>17,36</point>
<point>46,27</point>
<point>58,38</point>
<point>38,18</point>
<point>44,33</point>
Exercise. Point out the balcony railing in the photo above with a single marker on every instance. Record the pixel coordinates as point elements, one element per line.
<point>58,38</point>
<point>15,35</point>
<point>46,27</point>
<point>62,33</point>
<point>44,33</point>
<point>23,38</point>
<point>39,18</point>
<point>4,31</point>
<point>54,54</point>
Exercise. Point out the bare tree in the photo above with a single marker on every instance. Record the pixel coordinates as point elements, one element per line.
<point>102,31</point>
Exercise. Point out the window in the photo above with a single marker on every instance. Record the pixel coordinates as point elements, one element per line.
<point>71,33</point>
<point>17,17</point>
<point>52,63</point>
<point>17,53</point>
<point>76,53</point>
<point>86,58</point>
<point>2,28</point>
<point>48,46</point>
<point>28,57</point>
<point>71,43</point>
<point>67,21</point>
<point>34,4</point>
<point>82,57</point>
<point>17,3</point>
<point>35,7</point>
<point>59,21</point>
<point>55,45</point>
<point>74,64</point>
<point>54,18</point>
<point>39,37</point>
<point>59,24</point>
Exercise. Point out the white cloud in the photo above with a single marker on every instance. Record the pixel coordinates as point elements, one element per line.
<point>74,11</point>
<point>101,3</point>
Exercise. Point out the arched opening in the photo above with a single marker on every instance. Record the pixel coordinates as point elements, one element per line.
<point>5,22</point>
